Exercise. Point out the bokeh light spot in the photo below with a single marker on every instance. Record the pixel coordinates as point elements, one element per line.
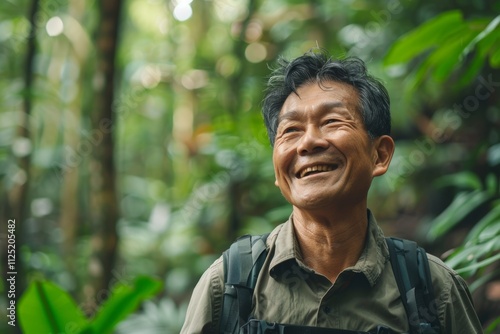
<point>255,52</point>
<point>183,11</point>
<point>54,26</point>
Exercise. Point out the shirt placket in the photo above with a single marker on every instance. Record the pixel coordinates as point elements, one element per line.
<point>329,308</point>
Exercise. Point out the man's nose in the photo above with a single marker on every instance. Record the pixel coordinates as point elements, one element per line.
<point>312,141</point>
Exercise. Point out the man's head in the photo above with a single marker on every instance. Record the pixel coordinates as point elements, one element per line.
<point>328,122</point>
<point>319,67</point>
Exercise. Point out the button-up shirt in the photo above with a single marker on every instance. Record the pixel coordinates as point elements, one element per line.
<point>362,297</point>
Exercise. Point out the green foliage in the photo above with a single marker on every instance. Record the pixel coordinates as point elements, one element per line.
<point>481,247</point>
<point>494,325</point>
<point>430,34</point>
<point>449,49</point>
<point>194,164</point>
<point>462,205</point>
<point>159,317</point>
<point>448,40</point>
<point>124,300</point>
<point>46,308</point>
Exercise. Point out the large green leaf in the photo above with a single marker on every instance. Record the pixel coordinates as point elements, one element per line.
<point>461,255</point>
<point>493,326</point>
<point>451,39</point>
<point>484,47</point>
<point>45,308</point>
<point>444,57</point>
<point>124,300</point>
<point>447,56</point>
<point>471,71</point>
<point>467,260</point>
<point>480,264</point>
<point>463,204</point>
<point>492,183</point>
<point>493,217</point>
<point>427,35</point>
<point>491,29</point>
<point>495,57</point>
<point>465,180</point>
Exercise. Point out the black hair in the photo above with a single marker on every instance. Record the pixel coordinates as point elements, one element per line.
<point>318,66</point>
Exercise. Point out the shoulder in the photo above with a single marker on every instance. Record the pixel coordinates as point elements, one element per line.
<point>442,275</point>
<point>212,279</point>
<point>437,266</point>
<point>453,300</point>
<point>445,279</point>
<point>216,271</point>
<point>204,309</point>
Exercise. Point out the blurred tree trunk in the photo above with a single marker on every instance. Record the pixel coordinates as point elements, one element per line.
<point>103,198</point>
<point>235,96</point>
<point>235,85</point>
<point>70,218</point>
<point>16,203</point>
<point>14,206</point>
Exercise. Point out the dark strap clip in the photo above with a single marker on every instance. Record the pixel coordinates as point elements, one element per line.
<point>230,290</point>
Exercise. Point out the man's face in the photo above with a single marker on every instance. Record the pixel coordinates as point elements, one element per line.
<point>323,155</point>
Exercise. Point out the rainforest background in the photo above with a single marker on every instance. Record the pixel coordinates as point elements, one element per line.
<point>132,145</point>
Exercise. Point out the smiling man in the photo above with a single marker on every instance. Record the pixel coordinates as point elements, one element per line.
<point>328,269</point>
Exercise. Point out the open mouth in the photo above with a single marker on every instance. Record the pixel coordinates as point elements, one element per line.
<point>316,170</point>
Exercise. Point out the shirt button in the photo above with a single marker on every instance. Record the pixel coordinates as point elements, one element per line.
<point>327,309</point>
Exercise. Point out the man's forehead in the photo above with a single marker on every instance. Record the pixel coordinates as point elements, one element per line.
<point>327,96</point>
<point>327,106</point>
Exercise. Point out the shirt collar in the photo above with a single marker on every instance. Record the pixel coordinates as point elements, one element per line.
<point>286,251</point>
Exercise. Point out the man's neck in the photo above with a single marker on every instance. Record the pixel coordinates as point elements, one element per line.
<point>330,243</point>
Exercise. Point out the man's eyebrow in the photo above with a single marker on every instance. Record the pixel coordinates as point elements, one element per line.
<point>288,116</point>
<point>324,107</point>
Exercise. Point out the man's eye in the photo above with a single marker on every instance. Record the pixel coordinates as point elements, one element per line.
<point>289,130</point>
<point>332,120</point>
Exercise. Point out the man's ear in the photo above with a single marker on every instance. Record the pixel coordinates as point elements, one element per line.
<point>383,151</point>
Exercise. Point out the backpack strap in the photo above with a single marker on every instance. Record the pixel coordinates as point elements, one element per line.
<point>411,270</point>
<point>244,259</point>
<point>242,264</point>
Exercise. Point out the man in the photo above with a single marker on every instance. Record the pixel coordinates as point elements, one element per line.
<point>328,266</point>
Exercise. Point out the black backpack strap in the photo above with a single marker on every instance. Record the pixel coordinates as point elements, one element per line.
<point>242,264</point>
<point>411,270</point>
<point>244,259</point>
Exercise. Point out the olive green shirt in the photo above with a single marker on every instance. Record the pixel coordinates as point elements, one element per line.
<point>362,297</point>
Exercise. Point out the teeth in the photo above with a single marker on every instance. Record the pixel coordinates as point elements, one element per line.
<point>320,168</point>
